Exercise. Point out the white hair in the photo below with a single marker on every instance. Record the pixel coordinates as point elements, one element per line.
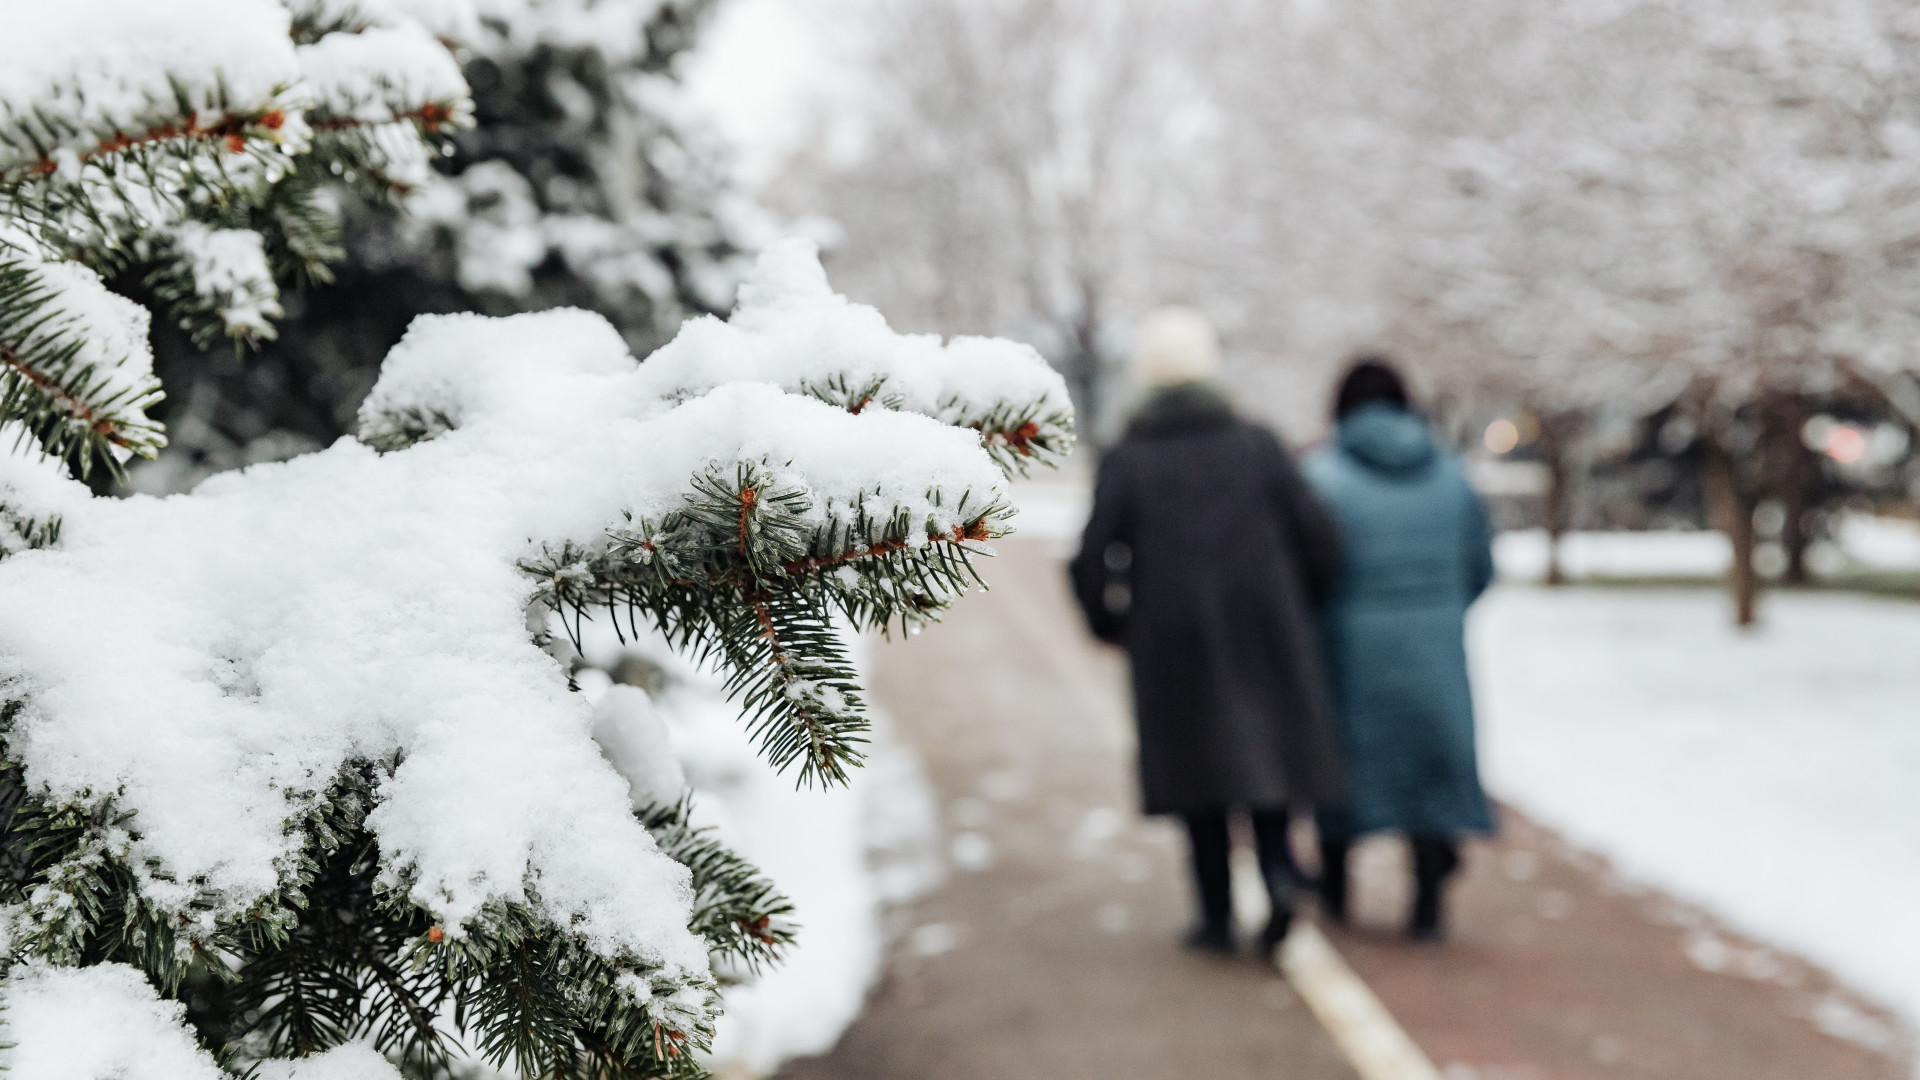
<point>1174,344</point>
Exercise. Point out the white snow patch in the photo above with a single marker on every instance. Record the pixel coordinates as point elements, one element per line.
<point>353,1061</point>
<point>1879,543</point>
<point>1860,542</point>
<point>34,488</point>
<point>93,1023</point>
<point>793,330</point>
<point>634,738</point>
<point>1054,508</point>
<point>934,939</point>
<point>1521,555</point>
<point>1766,775</point>
<point>381,72</point>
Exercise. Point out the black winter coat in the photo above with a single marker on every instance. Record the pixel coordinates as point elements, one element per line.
<point>1206,556</point>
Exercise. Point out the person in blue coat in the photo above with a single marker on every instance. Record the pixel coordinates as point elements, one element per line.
<point>1416,551</point>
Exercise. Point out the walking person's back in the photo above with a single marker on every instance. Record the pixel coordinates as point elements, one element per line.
<point>1204,557</point>
<point>1415,553</point>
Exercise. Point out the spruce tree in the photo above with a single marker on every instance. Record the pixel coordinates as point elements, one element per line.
<point>288,784</point>
<point>585,181</point>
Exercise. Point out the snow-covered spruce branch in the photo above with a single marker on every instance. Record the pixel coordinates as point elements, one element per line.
<point>135,142</point>
<point>75,369</point>
<point>747,574</point>
<point>1002,390</point>
<point>23,532</point>
<point>383,94</point>
<point>1017,435</point>
<point>35,494</point>
<point>326,697</point>
<point>153,94</point>
<point>359,962</point>
<point>740,913</point>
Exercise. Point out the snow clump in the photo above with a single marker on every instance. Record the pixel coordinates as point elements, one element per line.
<point>86,1023</point>
<point>229,267</point>
<point>793,330</point>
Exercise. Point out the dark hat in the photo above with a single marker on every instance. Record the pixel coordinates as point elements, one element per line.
<point>1371,379</point>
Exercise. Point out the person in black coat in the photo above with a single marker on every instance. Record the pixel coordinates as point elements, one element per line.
<point>1205,557</point>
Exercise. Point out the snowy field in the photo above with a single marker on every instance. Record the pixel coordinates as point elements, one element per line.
<point>1770,776</point>
<point>1860,543</point>
<point>1521,555</point>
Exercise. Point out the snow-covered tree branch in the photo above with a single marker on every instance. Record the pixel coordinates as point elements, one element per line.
<point>138,142</point>
<point>291,776</point>
<point>323,677</point>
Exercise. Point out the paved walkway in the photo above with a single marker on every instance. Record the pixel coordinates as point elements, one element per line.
<point>1558,971</point>
<point>1052,950</point>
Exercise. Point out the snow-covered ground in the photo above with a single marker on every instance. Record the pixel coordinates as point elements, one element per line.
<point>1860,543</point>
<point>1771,776</point>
<point>1522,555</point>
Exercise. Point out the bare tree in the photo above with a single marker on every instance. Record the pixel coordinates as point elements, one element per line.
<point>1588,208</point>
<point>1011,156</point>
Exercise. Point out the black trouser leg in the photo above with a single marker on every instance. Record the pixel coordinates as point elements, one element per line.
<point>1333,875</point>
<point>1282,874</point>
<point>1435,858</point>
<point>1207,833</point>
<point>1276,851</point>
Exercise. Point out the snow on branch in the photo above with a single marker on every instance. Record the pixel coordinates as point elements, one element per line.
<point>353,1061</point>
<point>106,1020</point>
<point>75,367</point>
<point>87,77</point>
<point>793,331</point>
<point>103,1020</point>
<point>140,138</point>
<point>381,74</point>
<point>790,330</point>
<point>35,492</point>
<point>356,621</point>
<point>448,20</point>
<point>617,28</point>
<point>225,270</point>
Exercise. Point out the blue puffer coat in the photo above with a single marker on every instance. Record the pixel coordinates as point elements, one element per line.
<point>1416,551</point>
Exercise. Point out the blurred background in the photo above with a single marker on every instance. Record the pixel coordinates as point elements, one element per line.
<point>1654,268</point>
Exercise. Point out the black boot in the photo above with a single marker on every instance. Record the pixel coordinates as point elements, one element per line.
<point>1281,874</point>
<point>1208,937</point>
<point>1333,879</point>
<point>1212,881</point>
<point>1435,858</point>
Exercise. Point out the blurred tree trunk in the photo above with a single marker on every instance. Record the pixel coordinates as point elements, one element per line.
<point>1732,505</point>
<point>1795,474</point>
<point>1083,368</point>
<point>1556,443</point>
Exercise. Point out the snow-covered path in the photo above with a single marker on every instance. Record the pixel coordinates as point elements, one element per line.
<point>1772,776</point>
